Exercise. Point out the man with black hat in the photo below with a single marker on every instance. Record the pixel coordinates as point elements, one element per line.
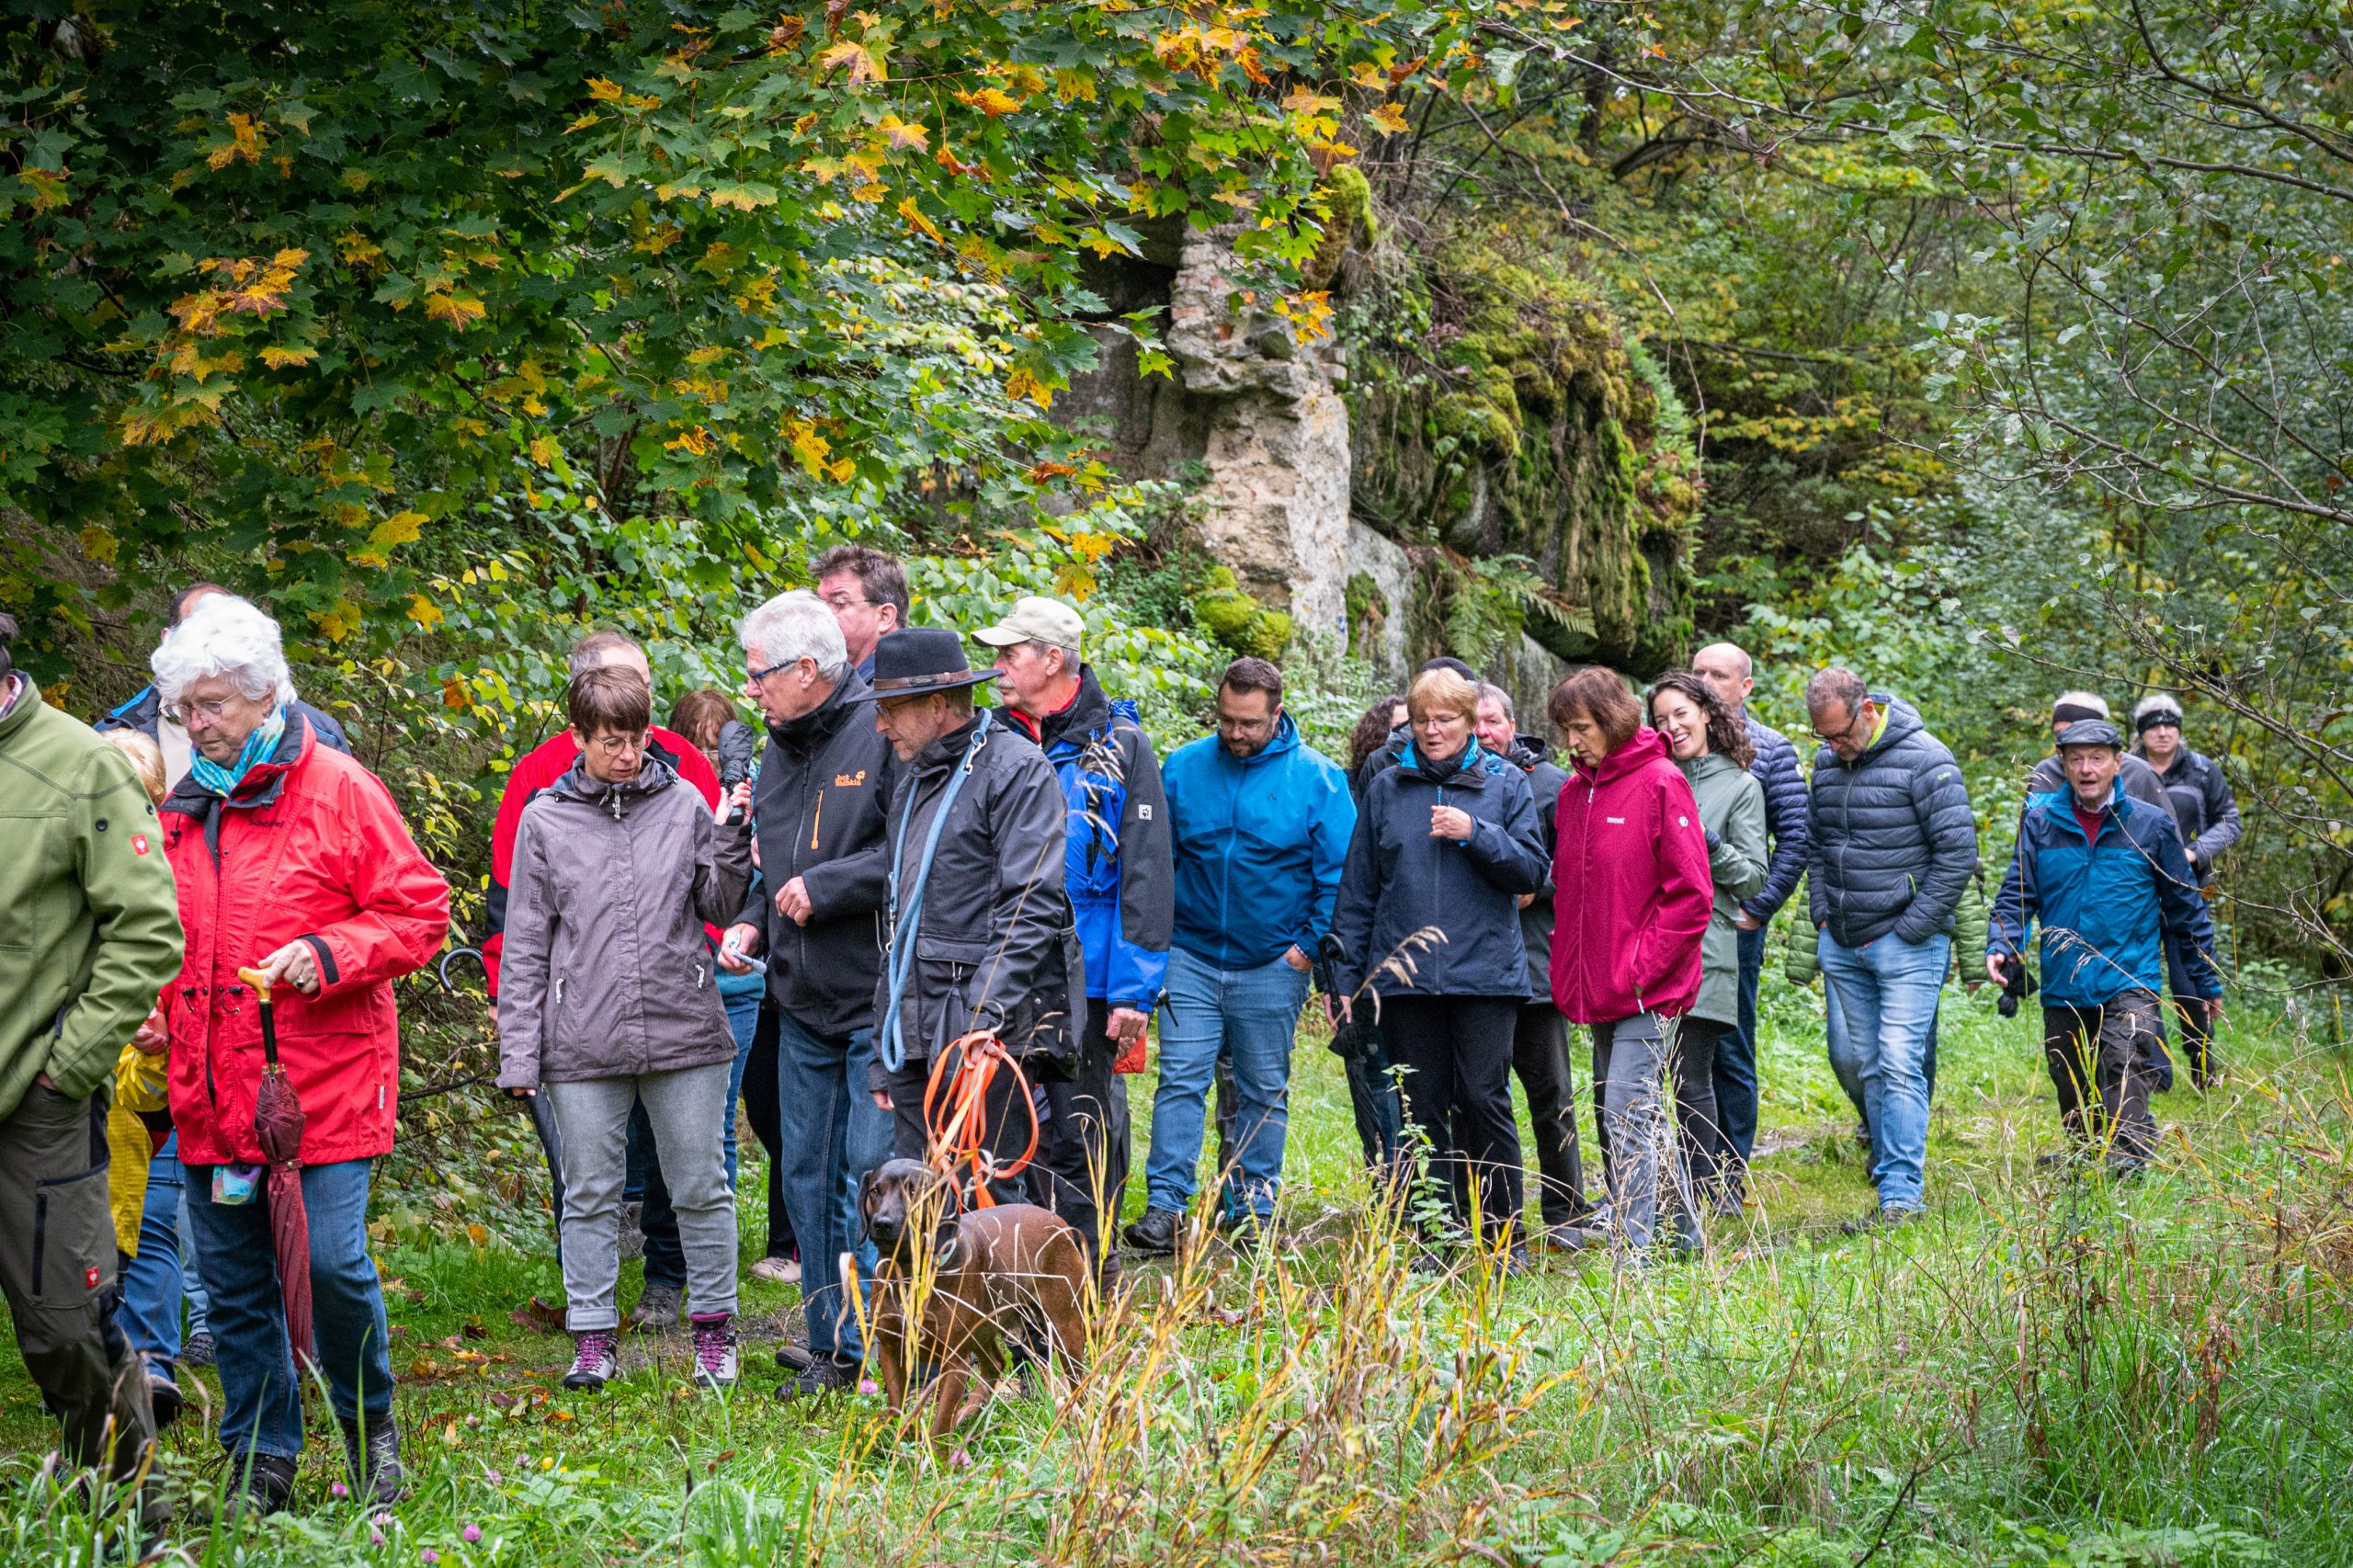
<point>2207,814</point>
<point>2139,780</point>
<point>981,957</point>
<point>2106,877</point>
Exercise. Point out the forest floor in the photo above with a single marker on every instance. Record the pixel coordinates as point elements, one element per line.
<point>2049,1369</point>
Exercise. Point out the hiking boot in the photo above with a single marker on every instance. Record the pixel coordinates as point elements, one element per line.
<point>715,1356</point>
<point>265,1487</point>
<point>633,1241</point>
<point>595,1361</point>
<point>793,1357</point>
<point>377,1478</point>
<point>778,1270</point>
<point>1886,1217</point>
<point>1577,1235</point>
<point>658,1308</point>
<point>2121,1166</point>
<point>1155,1234</point>
<point>1863,1133</point>
<point>163,1396</point>
<point>1515,1262</point>
<point>198,1351</point>
<point>828,1375</point>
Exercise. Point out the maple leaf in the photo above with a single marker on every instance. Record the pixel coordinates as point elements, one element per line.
<point>1306,100</point>
<point>994,102</point>
<point>1389,119</point>
<point>899,133</point>
<point>401,527</point>
<point>245,140</point>
<point>864,66</point>
<point>917,221</point>
<point>1021,383</point>
<point>604,91</point>
<point>460,310</point>
<point>280,359</point>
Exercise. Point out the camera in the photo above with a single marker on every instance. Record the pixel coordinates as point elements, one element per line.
<point>2017,985</point>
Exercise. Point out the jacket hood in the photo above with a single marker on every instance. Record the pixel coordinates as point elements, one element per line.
<point>654,777</point>
<point>809,732</point>
<point>1466,770</point>
<point>1089,714</point>
<point>1645,745</point>
<point>1527,751</point>
<point>1286,740</point>
<point>1903,720</point>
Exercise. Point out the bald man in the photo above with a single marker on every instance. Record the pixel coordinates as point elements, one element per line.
<point>1730,675</point>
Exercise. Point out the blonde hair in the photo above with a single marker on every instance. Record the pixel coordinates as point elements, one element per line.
<point>146,760</point>
<point>1444,690</point>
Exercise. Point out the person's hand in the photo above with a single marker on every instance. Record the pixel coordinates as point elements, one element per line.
<point>1744,921</point>
<point>46,1082</point>
<point>792,901</point>
<point>1524,900</point>
<point>1125,1025</point>
<point>1994,969</point>
<point>1451,822</point>
<point>1297,959</point>
<point>1972,986</point>
<point>739,941</point>
<point>294,964</point>
<point>2213,1013</point>
<point>1336,1012</point>
<point>522,1094</point>
<point>882,1102</point>
<point>153,1036</point>
<point>736,801</point>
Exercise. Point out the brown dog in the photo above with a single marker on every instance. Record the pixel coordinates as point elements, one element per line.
<point>989,1272</point>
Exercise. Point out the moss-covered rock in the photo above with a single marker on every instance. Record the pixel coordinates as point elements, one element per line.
<point>1497,409</point>
<point>1348,195</point>
<point>1239,622</point>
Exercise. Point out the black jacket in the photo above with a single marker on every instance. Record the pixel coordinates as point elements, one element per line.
<point>1399,882</point>
<point>996,948</point>
<point>1891,840</point>
<point>2203,807</point>
<point>144,713</point>
<point>1545,778</point>
<point>821,805</point>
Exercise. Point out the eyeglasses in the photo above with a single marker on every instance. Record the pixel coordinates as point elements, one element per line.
<point>753,679</point>
<point>844,601</point>
<point>178,713</point>
<point>1852,725</point>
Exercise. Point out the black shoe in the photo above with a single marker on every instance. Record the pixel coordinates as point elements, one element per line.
<point>377,1477</point>
<point>198,1351</point>
<point>1515,1262</point>
<point>1156,1233</point>
<point>1886,1217</point>
<point>265,1487</point>
<point>164,1395</point>
<point>831,1375</point>
<point>793,1357</point>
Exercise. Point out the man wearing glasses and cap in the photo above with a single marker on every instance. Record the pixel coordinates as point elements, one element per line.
<point>979,939</point>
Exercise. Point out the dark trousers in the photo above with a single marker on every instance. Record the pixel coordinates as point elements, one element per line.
<point>57,1270</point>
<point>1372,1100</point>
<point>2098,1058</point>
<point>1735,1068</point>
<point>1539,1058</point>
<point>2189,1011</point>
<point>1705,1151</point>
<point>1457,1054</point>
<point>1007,1120</point>
<point>761,1109</point>
<point>1073,1174</point>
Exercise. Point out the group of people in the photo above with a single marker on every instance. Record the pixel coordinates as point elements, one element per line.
<point>909,906</point>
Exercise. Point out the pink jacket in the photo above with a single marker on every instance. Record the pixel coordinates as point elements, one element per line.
<point>1631,887</point>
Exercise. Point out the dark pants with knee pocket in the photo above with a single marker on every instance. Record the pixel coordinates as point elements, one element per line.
<point>57,1270</point>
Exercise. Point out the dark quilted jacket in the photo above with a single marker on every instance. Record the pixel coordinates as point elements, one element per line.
<point>1776,768</point>
<point>1892,839</point>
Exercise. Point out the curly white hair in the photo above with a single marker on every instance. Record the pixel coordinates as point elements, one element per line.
<point>223,635</point>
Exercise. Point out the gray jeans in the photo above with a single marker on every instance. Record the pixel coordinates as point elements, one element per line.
<point>687,1110</point>
<point>1629,1059</point>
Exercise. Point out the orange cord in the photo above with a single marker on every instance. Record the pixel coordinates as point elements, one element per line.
<point>960,1139</point>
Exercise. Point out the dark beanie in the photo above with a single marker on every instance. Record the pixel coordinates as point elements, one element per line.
<point>1447,662</point>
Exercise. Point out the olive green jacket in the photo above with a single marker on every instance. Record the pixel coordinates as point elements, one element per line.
<point>1732,809</point>
<point>89,926</point>
<point>1800,964</point>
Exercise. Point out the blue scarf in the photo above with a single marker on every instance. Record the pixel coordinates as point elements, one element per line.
<point>258,746</point>
<point>1469,753</point>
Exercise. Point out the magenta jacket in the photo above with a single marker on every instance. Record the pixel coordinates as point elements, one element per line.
<point>1632,889</point>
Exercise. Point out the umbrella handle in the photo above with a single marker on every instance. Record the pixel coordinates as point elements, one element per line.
<point>259,981</point>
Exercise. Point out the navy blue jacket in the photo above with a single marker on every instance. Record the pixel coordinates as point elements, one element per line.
<point>144,713</point>
<point>1890,840</point>
<point>1259,844</point>
<point>2204,806</point>
<point>2107,904</point>
<point>1400,880</point>
<point>1776,768</point>
<point>1546,778</point>
<point>1116,863</point>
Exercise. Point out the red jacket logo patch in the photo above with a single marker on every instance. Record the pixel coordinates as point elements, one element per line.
<point>139,844</point>
<point>90,1278</point>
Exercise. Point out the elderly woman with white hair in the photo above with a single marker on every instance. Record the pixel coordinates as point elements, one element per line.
<point>290,859</point>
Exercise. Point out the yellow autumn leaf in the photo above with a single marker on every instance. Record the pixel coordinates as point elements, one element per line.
<point>603,91</point>
<point>1306,100</point>
<point>1389,119</point>
<point>460,310</point>
<point>543,451</point>
<point>864,66</point>
<point>338,620</point>
<point>401,527</point>
<point>98,544</point>
<point>424,613</point>
<point>994,102</point>
<point>278,359</point>
<point>1021,383</point>
<point>897,133</point>
<point>917,221</point>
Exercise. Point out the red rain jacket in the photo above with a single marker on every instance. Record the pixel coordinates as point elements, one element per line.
<point>538,768</point>
<point>310,847</point>
<point>1631,887</point>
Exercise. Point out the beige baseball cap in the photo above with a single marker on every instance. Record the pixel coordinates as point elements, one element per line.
<point>1035,620</point>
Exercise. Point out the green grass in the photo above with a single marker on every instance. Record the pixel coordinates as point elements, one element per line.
<point>2048,1371</point>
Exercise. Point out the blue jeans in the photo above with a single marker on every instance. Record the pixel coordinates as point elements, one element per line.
<point>832,1134</point>
<point>1849,1067</point>
<point>163,1274</point>
<point>743,1021</point>
<point>1735,1071</point>
<point>1887,993</point>
<point>261,1403</point>
<point>1251,1014</point>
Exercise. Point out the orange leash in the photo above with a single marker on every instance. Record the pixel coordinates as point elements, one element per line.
<point>956,1118</point>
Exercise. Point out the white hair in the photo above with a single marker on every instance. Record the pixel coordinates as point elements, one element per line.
<point>2091,699</point>
<point>1490,692</point>
<point>226,636</point>
<point>794,626</point>
<point>2164,704</point>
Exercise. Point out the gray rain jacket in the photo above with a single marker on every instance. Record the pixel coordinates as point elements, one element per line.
<point>606,973</point>
<point>995,945</point>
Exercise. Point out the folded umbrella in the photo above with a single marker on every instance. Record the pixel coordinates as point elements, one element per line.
<point>278,1128</point>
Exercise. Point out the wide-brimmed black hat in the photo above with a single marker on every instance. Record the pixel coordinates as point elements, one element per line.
<point>918,659</point>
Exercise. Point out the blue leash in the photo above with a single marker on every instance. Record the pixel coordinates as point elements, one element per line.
<point>893,1048</point>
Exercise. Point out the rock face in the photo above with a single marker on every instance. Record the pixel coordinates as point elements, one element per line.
<point>1493,471</point>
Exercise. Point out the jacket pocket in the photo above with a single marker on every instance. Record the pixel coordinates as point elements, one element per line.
<point>953,949</point>
<point>73,1253</point>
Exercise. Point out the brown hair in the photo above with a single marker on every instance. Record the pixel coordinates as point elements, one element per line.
<point>1727,736</point>
<point>1444,690</point>
<point>1247,674</point>
<point>880,576</point>
<point>1598,695</point>
<point>146,760</point>
<point>1373,728</point>
<point>700,715</point>
<point>609,697</point>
